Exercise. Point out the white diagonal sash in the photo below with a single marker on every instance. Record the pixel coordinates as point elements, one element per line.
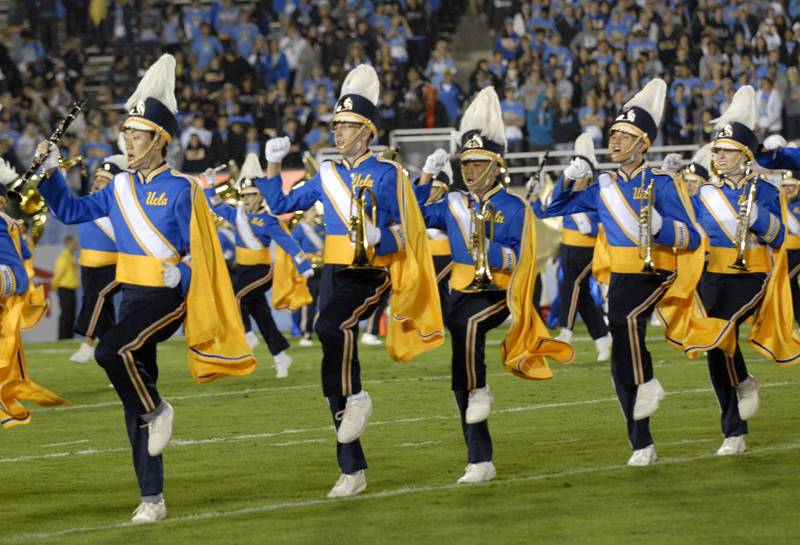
<point>243,226</point>
<point>105,225</point>
<point>143,230</point>
<point>721,208</point>
<point>312,235</point>
<point>581,218</point>
<point>792,223</point>
<point>460,207</point>
<point>618,206</point>
<point>339,192</point>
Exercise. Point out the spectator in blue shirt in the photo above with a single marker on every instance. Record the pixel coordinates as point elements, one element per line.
<point>592,118</point>
<point>205,47</point>
<point>687,79</point>
<point>563,56</point>
<point>317,78</point>
<point>678,124</point>
<point>508,40</point>
<point>244,34</point>
<point>640,45</point>
<point>616,30</point>
<point>514,122</point>
<point>226,19</point>
<point>193,19</point>
<point>31,54</point>
<point>540,125</point>
<point>277,66</point>
<point>451,96</point>
<point>566,127</point>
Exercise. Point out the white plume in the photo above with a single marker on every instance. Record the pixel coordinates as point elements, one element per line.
<point>7,172</point>
<point>652,99</point>
<point>485,115</point>
<point>251,169</point>
<point>584,145</point>
<point>159,83</point>
<point>120,160</point>
<point>702,157</point>
<point>741,110</point>
<point>362,80</point>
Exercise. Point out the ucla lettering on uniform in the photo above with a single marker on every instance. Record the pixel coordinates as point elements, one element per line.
<point>638,193</point>
<point>257,221</point>
<point>152,200</point>
<point>358,181</point>
<point>498,217</point>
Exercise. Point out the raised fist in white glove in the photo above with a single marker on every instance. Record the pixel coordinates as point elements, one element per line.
<point>673,162</point>
<point>309,273</point>
<point>578,169</point>
<point>277,149</point>
<point>533,187</point>
<point>776,141</point>
<point>208,178</point>
<point>435,162</point>
<point>753,214</point>
<point>171,274</point>
<point>51,161</point>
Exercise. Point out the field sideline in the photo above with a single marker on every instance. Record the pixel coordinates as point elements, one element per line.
<point>253,457</point>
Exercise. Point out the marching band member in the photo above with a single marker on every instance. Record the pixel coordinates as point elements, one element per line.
<point>578,240</point>
<point>22,307</point>
<point>98,263</point>
<point>310,235</point>
<point>620,197</point>
<point>171,269</point>
<point>741,214</point>
<point>255,229</point>
<point>364,182</point>
<point>437,170</point>
<point>693,175</point>
<point>778,155</point>
<point>487,208</point>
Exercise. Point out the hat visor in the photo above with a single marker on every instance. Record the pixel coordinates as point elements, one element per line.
<point>480,155</point>
<point>141,124</point>
<point>351,117</point>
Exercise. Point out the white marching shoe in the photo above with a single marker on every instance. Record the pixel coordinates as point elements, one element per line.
<point>149,512</point>
<point>252,340</point>
<point>306,342</point>
<point>479,405</point>
<point>354,417</point>
<point>565,335</point>
<point>648,395</point>
<point>84,354</point>
<point>160,432</point>
<point>643,457</point>
<point>478,473</point>
<point>732,445</point>
<point>282,366</point>
<point>747,394</point>
<point>603,345</point>
<point>349,484</point>
<point>370,339</point>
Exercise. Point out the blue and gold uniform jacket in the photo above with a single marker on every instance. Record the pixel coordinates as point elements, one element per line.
<point>335,186</point>
<point>793,226</point>
<point>618,200</point>
<point>254,232</point>
<point>716,207</point>
<point>311,238</point>
<point>150,216</point>
<point>570,234</point>
<point>227,241</point>
<point>98,244</point>
<point>453,215</point>
<point>13,254</point>
<point>785,159</point>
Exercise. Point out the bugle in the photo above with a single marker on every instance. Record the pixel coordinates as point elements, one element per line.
<point>483,280</point>
<point>364,253</point>
<point>18,188</point>
<point>646,229</point>
<point>743,223</point>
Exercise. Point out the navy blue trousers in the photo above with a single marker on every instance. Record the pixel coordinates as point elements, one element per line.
<point>97,314</point>
<point>575,294</point>
<point>250,285</point>
<point>443,265</point>
<point>471,317</point>
<point>731,297</point>
<point>343,302</point>
<point>631,300</point>
<point>794,268</point>
<point>127,352</point>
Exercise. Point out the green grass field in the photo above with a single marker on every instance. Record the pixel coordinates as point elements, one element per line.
<point>253,457</point>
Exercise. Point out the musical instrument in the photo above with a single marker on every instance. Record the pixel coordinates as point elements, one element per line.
<point>646,228</point>
<point>743,222</point>
<point>31,212</point>
<point>538,175</point>
<point>66,164</point>
<point>483,280</point>
<point>17,188</point>
<point>364,253</point>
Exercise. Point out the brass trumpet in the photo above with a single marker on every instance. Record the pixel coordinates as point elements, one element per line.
<point>17,189</point>
<point>66,164</point>
<point>364,253</point>
<point>646,229</point>
<point>743,223</point>
<point>483,280</point>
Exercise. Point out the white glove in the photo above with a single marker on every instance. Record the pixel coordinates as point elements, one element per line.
<point>578,169</point>
<point>277,149</point>
<point>673,162</point>
<point>51,161</point>
<point>533,187</point>
<point>473,250</point>
<point>435,163</point>
<point>171,274</point>
<point>655,223</point>
<point>309,273</point>
<point>776,141</point>
<point>584,227</point>
<point>208,178</point>
<point>373,235</point>
<point>753,212</point>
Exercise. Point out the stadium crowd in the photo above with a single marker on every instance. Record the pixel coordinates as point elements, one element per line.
<point>248,71</point>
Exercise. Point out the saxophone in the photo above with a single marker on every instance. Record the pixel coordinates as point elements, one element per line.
<point>743,223</point>
<point>646,228</point>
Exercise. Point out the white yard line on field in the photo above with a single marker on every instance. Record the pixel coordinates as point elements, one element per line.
<point>384,494</point>
<point>65,444</point>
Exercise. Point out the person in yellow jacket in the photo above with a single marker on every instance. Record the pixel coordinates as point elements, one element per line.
<point>65,282</point>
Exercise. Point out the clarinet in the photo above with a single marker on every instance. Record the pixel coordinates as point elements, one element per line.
<point>17,189</point>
